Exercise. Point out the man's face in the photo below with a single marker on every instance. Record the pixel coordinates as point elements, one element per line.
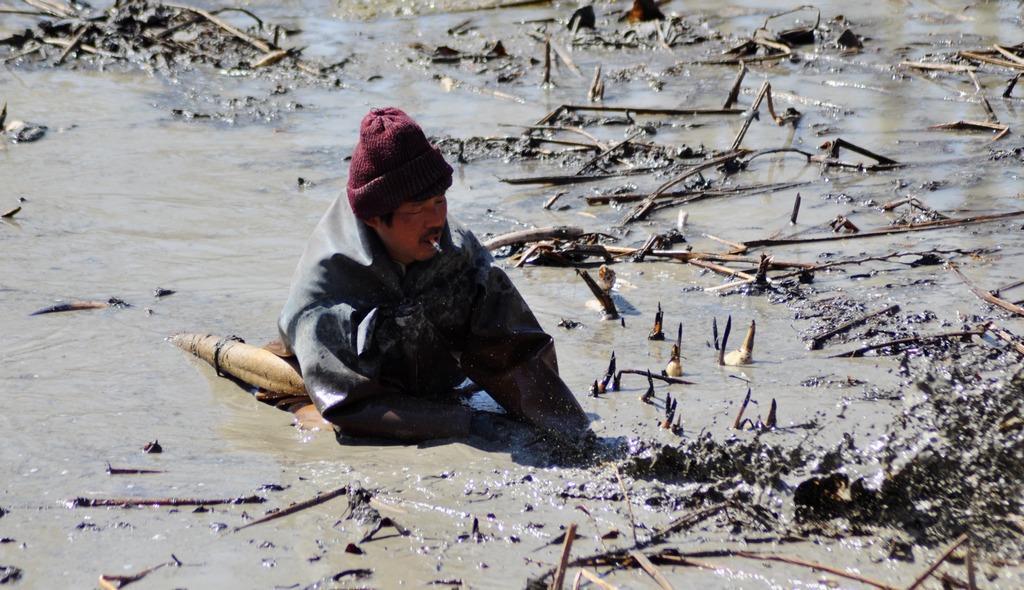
<point>413,229</point>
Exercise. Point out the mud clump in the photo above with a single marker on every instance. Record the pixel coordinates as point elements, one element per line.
<point>951,464</point>
<point>164,37</point>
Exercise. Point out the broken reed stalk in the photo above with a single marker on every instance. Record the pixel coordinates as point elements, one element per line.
<point>987,58</point>
<point>563,55</point>
<point>840,143</point>
<point>558,232</point>
<point>596,91</point>
<point>764,92</point>
<point>115,582</point>
<point>603,297</point>
<point>1008,338</point>
<point>723,270</point>
<point>647,111</point>
<point>563,561</point>
<point>82,502</point>
<point>687,196</point>
<point>739,415</point>
<point>935,565</point>
<point>687,559</point>
<point>640,211</point>
<point>816,342</point>
<point>792,217</point>
<point>651,569</point>
<point>315,501</point>
<point>550,202</point>
<point>681,523</point>
<point>257,43</point>
<point>911,340</point>
<point>725,340</point>
<point>665,378</point>
<point>686,256</point>
<point>976,125</point>
<point>684,522</point>
<point>594,579</point>
<point>886,231</point>
<point>607,151</point>
<point>734,92</point>
<point>813,565</point>
<point>547,61</point>
<point>985,294</point>
<point>629,503</point>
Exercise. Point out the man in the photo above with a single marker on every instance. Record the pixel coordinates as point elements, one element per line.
<point>393,305</point>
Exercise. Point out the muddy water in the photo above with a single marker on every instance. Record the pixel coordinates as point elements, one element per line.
<point>123,196</point>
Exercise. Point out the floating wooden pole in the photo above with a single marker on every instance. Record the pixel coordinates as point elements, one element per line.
<point>255,366</point>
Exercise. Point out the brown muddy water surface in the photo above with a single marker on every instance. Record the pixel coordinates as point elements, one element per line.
<point>206,180</point>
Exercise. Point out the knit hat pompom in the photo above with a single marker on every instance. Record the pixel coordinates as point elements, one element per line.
<point>393,163</point>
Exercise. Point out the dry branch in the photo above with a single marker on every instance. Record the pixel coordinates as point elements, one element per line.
<point>640,211</point>
<point>923,339</point>
<point>651,569</point>
<point>815,342</point>
<point>559,579</point>
<point>885,231</point>
<point>986,295</point>
<point>82,502</point>
<point>945,555</point>
<point>113,582</point>
<point>317,500</point>
<point>559,232</point>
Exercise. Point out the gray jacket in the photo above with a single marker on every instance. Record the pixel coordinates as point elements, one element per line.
<point>361,328</point>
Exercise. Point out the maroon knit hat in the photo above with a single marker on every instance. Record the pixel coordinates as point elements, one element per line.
<point>393,163</point>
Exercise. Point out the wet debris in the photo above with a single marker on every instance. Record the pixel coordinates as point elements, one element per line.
<point>10,574</point>
<point>361,510</point>
<point>19,131</point>
<point>154,35</point>
<point>569,324</point>
<point>315,501</point>
<point>111,581</point>
<point>84,502</point>
<point>111,470</point>
<point>153,447</point>
<point>79,305</point>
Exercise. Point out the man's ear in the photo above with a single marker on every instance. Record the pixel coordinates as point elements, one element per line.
<point>374,222</point>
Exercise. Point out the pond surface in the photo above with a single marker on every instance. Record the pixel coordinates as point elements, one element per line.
<point>208,185</point>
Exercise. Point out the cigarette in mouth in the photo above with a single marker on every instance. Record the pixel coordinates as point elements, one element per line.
<point>436,245</point>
